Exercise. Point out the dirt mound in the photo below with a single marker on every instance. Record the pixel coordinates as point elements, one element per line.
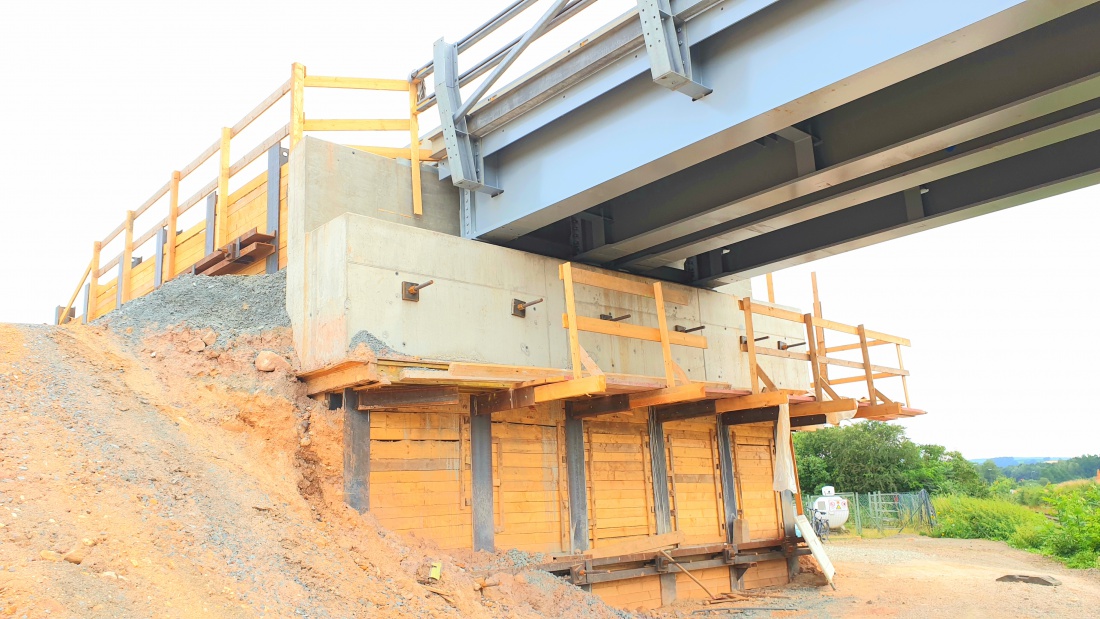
<point>150,477</point>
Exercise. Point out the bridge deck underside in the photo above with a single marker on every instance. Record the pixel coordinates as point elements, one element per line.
<point>1010,122</point>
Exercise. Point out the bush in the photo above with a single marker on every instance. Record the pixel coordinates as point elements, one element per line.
<point>969,518</point>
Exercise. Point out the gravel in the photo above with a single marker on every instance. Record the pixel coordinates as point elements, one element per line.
<point>231,305</point>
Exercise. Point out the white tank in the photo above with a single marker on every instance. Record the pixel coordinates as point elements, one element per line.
<point>828,491</point>
<point>834,507</point>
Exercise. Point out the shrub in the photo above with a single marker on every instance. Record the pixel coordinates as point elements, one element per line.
<point>969,518</point>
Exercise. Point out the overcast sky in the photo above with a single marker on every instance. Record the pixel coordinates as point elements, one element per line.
<point>102,100</point>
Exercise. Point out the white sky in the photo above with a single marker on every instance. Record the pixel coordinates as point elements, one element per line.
<point>101,101</point>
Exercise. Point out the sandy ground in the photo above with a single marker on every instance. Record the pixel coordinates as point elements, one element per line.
<point>920,577</point>
<point>143,477</point>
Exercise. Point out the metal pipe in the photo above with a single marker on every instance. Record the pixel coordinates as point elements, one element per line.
<point>529,37</point>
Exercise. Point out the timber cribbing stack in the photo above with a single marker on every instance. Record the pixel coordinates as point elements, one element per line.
<point>230,214</point>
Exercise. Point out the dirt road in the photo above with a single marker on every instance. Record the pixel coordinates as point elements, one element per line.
<point>920,577</point>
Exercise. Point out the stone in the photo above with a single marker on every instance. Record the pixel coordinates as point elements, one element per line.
<point>50,555</point>
<point>1046,581</point>
<point>77,554</point>
<point>268,361</point>
<point>209,337</point>
<point>196,345</point>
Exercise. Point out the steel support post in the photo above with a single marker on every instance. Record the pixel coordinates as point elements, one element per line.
<point>481,456</point>
<point>577,479</point>
<point>356,453</point>
<point>277,156</point>
<point>729,494</point>
<point>158,260</point>
<point>658,465</point>
<point>211,210</point>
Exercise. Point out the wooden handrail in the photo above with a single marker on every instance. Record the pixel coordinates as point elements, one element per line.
<point>294,86</point>
<point>68,306</point>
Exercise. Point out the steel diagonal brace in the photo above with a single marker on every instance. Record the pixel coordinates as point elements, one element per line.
<point>667,45</point>
<point>465,165</point>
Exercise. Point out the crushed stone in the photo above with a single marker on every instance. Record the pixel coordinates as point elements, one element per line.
<point>231,305</point>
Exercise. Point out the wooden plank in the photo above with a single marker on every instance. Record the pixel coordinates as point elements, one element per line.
<point>856,346</point>
<point>338,377</point>
<point>413,86</point>
<point>767,380</point>
<point>351,124</point>
<point>173,216</point>
<point>904,381</point>
<point>356,83</point>
<point>565,273</point>
<point>773,312</point>
<point>859,379</point>
<point>748,402</point>
<point>882,397</point>
<point>858,365</point>
<point>815,363</point>
<point>638,332</point>
<point>774,352</point>
<point>819,332</point>
<point>662,328</point>
<point>264,106</point>
<point>638,545</point>
<point>669,395</point>
<point>260,149</point>
<point>823,407</point>
<point>398,398</point>
<point>628,286</point>
<point>817,548</point>
<point>877,411</point>
<point>829,390</point>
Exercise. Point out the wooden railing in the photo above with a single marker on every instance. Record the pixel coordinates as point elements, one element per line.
<point>170,240</point>
<point>817,353</point>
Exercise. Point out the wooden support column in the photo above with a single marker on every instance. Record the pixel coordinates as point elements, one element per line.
<point>356,453</point>
<point>221,228</point>
<point>481,465</point>
<point>173,218</point>
<point>93,281</point>
<point>750,344</point>
<point>815,364</point>
<point>904,381</point>
<point>729,494</point>
<point>578,480</point>
<point>819,331</point>
<point>127,260</point>
<point>867,369</point>
<point>297,98</point>
<point>661,503</point>
<point>276,157</point>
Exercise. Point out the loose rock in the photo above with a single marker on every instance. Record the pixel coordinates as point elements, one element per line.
<point>196,345</point>
<point>268,361</point>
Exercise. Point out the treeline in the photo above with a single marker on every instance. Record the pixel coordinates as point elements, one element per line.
<point>874,456</point>
<point>1081,467</point>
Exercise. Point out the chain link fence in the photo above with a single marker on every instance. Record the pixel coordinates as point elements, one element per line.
<point>884,512</point>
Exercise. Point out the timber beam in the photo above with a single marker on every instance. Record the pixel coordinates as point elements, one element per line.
<point>399,398</point>
<point>737,418</point>
<point>621,403</point>
<point>511,399</point>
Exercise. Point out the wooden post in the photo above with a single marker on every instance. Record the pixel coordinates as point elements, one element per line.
<point>815,366</point>
<point>820,331</point>
<point>750,345</point>
<point>127,259</point>
<point>662,324</point>
<point>222,216</point>
<point>867,365</point>
<point>662,507</point>
<point>578,484</point>
<point>297,98</point>
<point>93,283</point>
<point>481,469</point>
<point>904,382</point>
<point>566,273</point>
<point>356,453</point>
<point>173,222</point>
<point>414,147</point>
<point>771,288</point>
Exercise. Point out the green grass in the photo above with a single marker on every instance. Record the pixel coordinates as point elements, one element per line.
<point>1070,534</point>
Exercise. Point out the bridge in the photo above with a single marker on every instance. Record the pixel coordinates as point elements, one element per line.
<point>704,142</point>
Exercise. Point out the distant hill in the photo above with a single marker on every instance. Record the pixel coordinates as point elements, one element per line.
<point>1004,461</point>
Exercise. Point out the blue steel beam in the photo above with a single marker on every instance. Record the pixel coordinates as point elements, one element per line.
<point>779,67</point>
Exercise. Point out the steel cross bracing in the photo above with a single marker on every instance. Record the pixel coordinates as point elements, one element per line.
<point>831,125</point>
